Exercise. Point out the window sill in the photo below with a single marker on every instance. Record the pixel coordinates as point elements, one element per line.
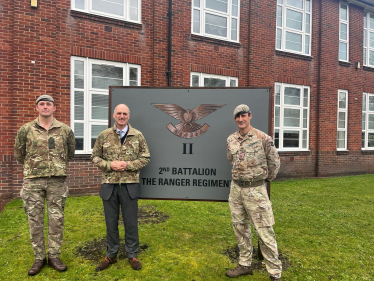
<point>215,41</point>
<point>344,63</point>
<point>294,153</point>
<point>82,157</point>
<point>367,152</point>
<point>342,152</point>
<point>368,68</point>
<point>103,19</point>
<point>292,55</point>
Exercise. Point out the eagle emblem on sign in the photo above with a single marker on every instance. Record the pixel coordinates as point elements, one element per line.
<point>188,128</point>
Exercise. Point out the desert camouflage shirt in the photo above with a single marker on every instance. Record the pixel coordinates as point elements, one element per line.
<point>44,153</point>
<point>253,157</point>
<point>108,148</point>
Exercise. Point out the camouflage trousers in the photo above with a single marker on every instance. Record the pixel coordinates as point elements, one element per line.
<point>34,192</point>
<point>252,205</point>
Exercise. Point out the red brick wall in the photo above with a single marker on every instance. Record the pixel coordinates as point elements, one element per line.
<point>52,33</point>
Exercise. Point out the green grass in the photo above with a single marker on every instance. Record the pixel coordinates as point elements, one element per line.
<point>324,227</point>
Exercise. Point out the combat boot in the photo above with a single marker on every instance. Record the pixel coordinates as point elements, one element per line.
<point>37,267</point>
<point>57,264</point>
<point>272,278</point>
<point>105,263</point>
<point>239,270</point>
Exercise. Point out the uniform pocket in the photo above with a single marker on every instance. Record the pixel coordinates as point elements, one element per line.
<point>256,154</point>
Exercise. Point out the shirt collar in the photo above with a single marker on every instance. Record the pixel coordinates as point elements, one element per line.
<point>122,132</point>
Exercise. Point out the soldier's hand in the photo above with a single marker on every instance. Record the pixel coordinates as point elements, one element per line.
<point>118,165</point>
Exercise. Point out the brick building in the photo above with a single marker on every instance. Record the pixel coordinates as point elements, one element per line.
<point>317,57</point>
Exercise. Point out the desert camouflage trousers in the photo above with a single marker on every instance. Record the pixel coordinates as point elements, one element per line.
<point>252,205</point>
<point>34,192</point>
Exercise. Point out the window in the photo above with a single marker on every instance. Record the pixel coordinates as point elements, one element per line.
<point>128,10</point>
<point>90,81</point>
<point>367,121</point>
<point>343,32</point>
<point>291,117</point>
<point>216,18</point>
<point>369,39</point>
<point>210,80</point>
<point>342,120</point>
<point>294,24</point>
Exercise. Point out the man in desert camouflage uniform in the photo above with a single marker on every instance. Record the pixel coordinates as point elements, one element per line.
<point>254,161</point>
<point>120,152</point>
<point>44,147</point>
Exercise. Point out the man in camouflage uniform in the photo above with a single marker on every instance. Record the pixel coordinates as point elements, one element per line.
<point>44,147</point>
<point>254,161</point>
<point>120,152</point>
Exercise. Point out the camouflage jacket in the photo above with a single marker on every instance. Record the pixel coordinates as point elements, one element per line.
<point>44,153</point>
<point>108,148</point>
<point>253,157</point>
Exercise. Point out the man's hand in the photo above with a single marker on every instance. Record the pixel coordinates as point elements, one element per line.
<point>118,165</point>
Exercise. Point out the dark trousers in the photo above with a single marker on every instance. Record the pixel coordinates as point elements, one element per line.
<point>120,197</point>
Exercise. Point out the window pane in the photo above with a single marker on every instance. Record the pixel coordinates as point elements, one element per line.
<point>371,57</point>
<point>290,139</point>
<point>364,52</point>
<point>276,116</point>
<point>280,1</point>
<point>196,21</point>
<point>363,102</point>
<point>343,31</point>
<point>79,4</point>
<point>305,134</point>
<point>305,103</point>
<point>78,134</point>
<point>371,103</point>
<point>291,117</point>
<point>343,12</point>
<point>78,105</point>
<point>100,105</point>
<point>305,118</point>
<point>114,7</point>
<point>293,41</point>
<point>277,95</point>
<point>234,11</point>
<point>234,31</point>
<point>370,139</point>
<point>214,82</point>
<point>104,76</point>
<point>216,25</point>
<point>306,44</point>
<point>133,76</point>
<point>279,16</point>
<point>195,81</point>
<point>341,139</point>
<point>371,20</point>
<point>342,51</point>
<point>79,74</point>
<point>95,131</point>
<point>292,96</point>
<point>371,39</point>
<point>276,138</point>
<point>307,6</point>
<point>365,38</point>
<point>218,5</point>
<point>294,20</point>
<point>279,38</point>
<point>341,123</point>
<point>363,140</point>
<point>196,3</point>
<point>307,23</point>
<point>363,121</point>
<point>342,100</point>
<point>134,11</point>
<point>232,83</point>
<point>295,3</point>
<point>370,121</point>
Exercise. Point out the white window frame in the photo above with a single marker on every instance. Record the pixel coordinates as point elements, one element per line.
<point>345,22</point>
<point>281,29</point>
<point>126,3</point>
<point>88,91</point>
<point>345,128</point>
<point>201,76</point>
<point>280,128</point>
<point>200,7</point>
<point>365,121</point>
<point>366,43</point>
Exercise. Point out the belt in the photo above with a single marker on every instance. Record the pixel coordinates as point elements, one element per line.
<point>249,183</point>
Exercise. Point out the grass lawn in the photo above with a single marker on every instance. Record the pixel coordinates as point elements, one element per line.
<point>324,228</point>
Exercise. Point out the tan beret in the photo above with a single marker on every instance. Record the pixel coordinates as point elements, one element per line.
<point>241,109</point>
